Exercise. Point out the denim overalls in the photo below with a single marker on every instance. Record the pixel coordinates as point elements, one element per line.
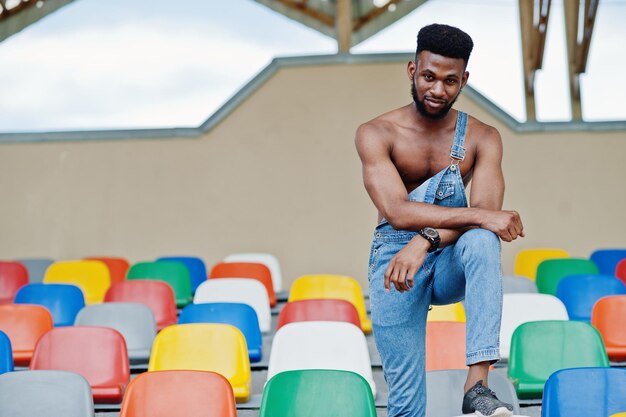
<point>470,269</point>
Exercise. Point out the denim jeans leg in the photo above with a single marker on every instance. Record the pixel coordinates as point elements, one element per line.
<point>471,268</point>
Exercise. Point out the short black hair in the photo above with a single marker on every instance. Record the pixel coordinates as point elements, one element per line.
<point>448,41</point>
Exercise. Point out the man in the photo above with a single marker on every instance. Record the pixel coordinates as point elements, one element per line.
<point>429,247</point>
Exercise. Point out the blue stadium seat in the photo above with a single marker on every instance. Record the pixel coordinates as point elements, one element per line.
<point>64,301</point>
<point>580,292</point>
<point>196,267</point>
<point>6,353</point>
<point>585,392</point>
<point>607,259</point>
<point>242,316</point>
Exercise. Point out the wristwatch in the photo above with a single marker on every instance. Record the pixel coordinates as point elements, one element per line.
<point>431,235</point>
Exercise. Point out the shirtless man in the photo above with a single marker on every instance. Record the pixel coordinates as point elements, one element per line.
<point>430,248</point>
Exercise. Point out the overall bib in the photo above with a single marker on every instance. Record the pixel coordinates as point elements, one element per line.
<point>468,269</point>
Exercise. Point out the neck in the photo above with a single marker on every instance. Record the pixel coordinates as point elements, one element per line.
<point>429,122</point>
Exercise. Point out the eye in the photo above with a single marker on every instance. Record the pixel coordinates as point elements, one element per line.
<point>428,77</point>
<point>451,81</point>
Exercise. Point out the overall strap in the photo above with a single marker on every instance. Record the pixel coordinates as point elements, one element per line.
<point>457,153</point>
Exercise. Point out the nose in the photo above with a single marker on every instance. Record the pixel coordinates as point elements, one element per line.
<point>437,89</point>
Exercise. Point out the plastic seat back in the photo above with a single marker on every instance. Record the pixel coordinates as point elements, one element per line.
<point>318,310</point>
<point>6,353</point>
<point>97,353</point>
<point>608,317</point>
<point>321,345</point>
<point>251,270</point>
<point>45,394</point>
<point>13,276</point>
<point>175,274</point>
<point>518,284</point>
<point>332,286</point>
<point>195,266</point>
<point>552,271</point>
<point>36,267</point>
<point>134,321</point>
<point>444,390</point>
<point>179,393</point>
<point>118,267</point>
<point>266,259</point>
<point>445,345</point>
<point>620,271</point>
<point>580,292</point>
<point>157,295</point>
<point>527,260</point>
<point>237,290</point>
<point>518,309</point>
<point>607,259</point>
<point>242,316</point>
<point>64,301</point>
<point>24,324</point>
<point>584,392</point>
<point>90,276</point>
<point>212,347</point>
<point>542,347</point>
<point>448,312</point>
<point>320,392</point>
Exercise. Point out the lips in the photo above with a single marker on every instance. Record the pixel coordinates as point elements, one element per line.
<point>431,102</point>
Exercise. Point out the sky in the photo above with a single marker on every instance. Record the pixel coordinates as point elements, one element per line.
<point>119,64</point>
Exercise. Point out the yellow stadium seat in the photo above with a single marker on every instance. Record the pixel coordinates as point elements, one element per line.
<point>340,287</point>
<point>527,260</point>
<point>619,414</point>
<point>92,277</point>
<point>212,347</point>
<point>448,312</point>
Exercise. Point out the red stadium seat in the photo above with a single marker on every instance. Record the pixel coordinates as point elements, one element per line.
<point>24,324</point>
<point>319,310</point>
<point>13,276</point>
<point>157,295</point>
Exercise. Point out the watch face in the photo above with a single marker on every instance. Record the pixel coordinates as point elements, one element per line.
<point>431,233</point>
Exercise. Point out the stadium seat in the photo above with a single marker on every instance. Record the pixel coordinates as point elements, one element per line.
<point>266,259</point>
<point>622,414</point>
<point>318,310</point>
<point>134,321</point>
<point>97,353</point>
<point>6,353</point>
<point>36,267</point>
<point>118,267</point>
<point>157,295</point>
<point>527,260</point>
<point>63,301</point>
<point>608,317</point>
<point>13,276</point>
<point>620,271</point>
<point>518,309</point>
<point>518,284</point>
<point>445,345</point>
<point>332,286</point>
<point>551,271</point>
<point>195,265</point>
<point>212,347</point>
<point>45,394</point>
<point>175,274</point>
<point>448,312</point>
<point>179,393</point>
<point>242,316</point>
<point>90,276</point>
<point>24,324</point>
<point>585,392</point>
<point>256,271</point>
<point>445,389</point>
<point>580,292</point>
<point>237,290</point>
<point>607,259</point>
<point>540,348</point>
<point>321,392</point>
<point>320,345</point>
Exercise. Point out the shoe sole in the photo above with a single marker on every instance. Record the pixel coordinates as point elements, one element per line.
<point>500,412</point>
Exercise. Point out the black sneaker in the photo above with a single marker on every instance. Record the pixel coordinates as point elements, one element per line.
<point>483,402</point>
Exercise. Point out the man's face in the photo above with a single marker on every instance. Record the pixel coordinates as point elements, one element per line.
<point>436,82</point>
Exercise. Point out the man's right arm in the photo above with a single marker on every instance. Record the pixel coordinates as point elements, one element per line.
<point>387,191</point>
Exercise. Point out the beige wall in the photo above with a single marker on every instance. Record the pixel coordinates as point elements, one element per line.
<point>280,174</point>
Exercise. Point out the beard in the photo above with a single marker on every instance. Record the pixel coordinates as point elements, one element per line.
<point>421,107</point>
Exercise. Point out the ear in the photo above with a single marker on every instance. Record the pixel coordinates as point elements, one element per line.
<point>411,67</point>
<point>464,79</point>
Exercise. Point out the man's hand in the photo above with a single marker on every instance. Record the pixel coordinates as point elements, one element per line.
<point>405,264</point>
<point>507,224</point>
